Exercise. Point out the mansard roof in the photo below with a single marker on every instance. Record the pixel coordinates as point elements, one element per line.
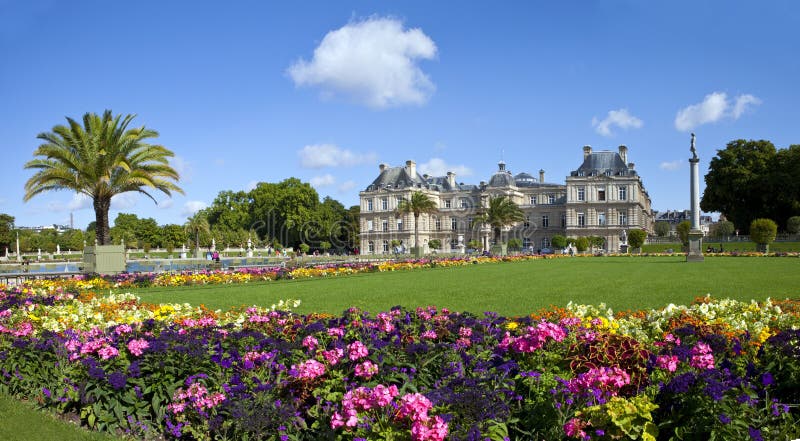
<point>600,163</point>
<point>397,177</point>
<point>524,180</point>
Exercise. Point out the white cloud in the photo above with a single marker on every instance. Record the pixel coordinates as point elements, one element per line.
<point>124,201</point>
<point>671,165</point>
<point>166,203</point>
<point>437,167</point>
<point>79,202</point>
<point>192,207</point>
<point>714,107</point>
<point>742,101</point>
<point>252,185</point>
<point>620,118</point>
<point>374,62</point>
<point>346,186</point>
<point>329,155</point>
<point>323,181</point>
<point>183,168</point>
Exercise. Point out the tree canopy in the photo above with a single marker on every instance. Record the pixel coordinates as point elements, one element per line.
<point>501,212</point>
<point>751,179</point>
<point>101,158</point>
<point>418,204</point>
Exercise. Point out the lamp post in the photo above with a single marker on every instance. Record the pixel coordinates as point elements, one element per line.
<point>19,258</point>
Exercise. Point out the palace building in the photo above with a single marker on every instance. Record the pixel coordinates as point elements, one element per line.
<point>603,197</point>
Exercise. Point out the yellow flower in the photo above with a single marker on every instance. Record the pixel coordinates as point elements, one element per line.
<point>512,326</point>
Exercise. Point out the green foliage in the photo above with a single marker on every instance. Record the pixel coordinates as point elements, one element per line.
<point>683,229</point>
<point>418,204</point>
<point>636,238</point>
<point>582,244</point>
<point>623,418</point>
<point>304,248</point>
<point>752,179</point>
<point>723,229</point>
<point>763,231</point>
<point>596,241</point>
<point>101,158</point>
<point>198,230</point>
<point>558,241</point>
<point>325,245</point>
<point>474,244</point>
<point>514,244</point>
<point>793,225</point>
<point>434,244</point>
<point>662,228</point>
<point>7,236</point>
<point>501,212</point>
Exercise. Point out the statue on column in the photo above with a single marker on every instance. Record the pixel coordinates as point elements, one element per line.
<point>692,149</point>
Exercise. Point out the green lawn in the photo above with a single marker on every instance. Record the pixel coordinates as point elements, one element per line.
<point>517,288</point>
<point>21,422</point>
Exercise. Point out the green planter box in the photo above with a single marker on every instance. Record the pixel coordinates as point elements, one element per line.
<point>104,259</point>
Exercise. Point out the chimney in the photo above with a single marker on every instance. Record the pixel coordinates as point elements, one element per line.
<point>451,179</point>
<point>623,153</point>
<point>382,167</point>
<point>541,176</point>
<point>587,150</point>
<point>411,166</point>
<point>631,166</point>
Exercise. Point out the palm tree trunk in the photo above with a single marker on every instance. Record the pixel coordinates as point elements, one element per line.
<point>101,207</point>
<point>416,234</point>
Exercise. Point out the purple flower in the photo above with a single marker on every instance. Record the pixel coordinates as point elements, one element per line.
<point>46,392</point>
<point>724,419</point>
<point>117,380</point>
<point>755,434</point>
<point>767,379</point>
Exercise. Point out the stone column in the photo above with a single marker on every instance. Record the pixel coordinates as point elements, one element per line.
<point>695,234</point>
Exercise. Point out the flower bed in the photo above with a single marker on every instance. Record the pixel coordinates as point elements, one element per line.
<point>715,369</point>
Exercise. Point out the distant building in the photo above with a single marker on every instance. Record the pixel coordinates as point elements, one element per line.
<point>674,217</point>
<point>38,229</point>
<point>603,197</point>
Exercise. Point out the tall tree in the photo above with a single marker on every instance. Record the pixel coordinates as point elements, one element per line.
<point>738,181</point>
<point>197,226</point>
<point>417,204</point>
<point>100,159</point>
<point>501,212</point>
<point>7,237</point>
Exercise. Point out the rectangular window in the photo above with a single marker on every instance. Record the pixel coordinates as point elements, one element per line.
<point>526,242</point>
<point>545,221</point>
<point>581,194</point>
<point>551,199</point>
<point>453,223</point>
<point>623,193</point>
<point>527,222</point>
<point>447,203</point>
<point>399,224</point>
<point>623,219</point>
<point>384,204</point>
<point>369,225</point>
<point>601,218</point>
<point>563,220</point>
<point>371,246</point>
<point>453,244</point>
<point>581,220</point>
<point>545,242</point>
<point>533,200</point>
<point>601,195</point>
<point>464,203</point>
<point>398,199</point>
<point>385,246</point>
<point>385,225</point>
<point>369,204</point>
<point>438,224</point>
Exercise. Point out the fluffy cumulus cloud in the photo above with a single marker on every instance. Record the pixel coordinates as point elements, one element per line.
<point>323,181</point>
<point>714,107</point>
<point>670,165</point>
<point>329,155</point>
<point>620,118</point>
<point>192,207</point>
<point>438,167</point>
<point>346,186</point>
<point>373,62</point>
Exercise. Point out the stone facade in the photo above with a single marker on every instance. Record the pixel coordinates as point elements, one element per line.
<point>604,197</point>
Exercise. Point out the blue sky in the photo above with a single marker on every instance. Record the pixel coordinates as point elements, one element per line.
<point>251,91</point>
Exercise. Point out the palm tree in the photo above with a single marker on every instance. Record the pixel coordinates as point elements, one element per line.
<point>197,225</point>
<point>418,203</point>
<point>100,159</point>
<point>501,212</point>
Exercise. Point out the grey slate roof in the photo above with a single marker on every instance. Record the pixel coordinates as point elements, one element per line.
<point>598,163</point>
<point>397,177</point>
<point>524,180</point>
<point>502,179</point>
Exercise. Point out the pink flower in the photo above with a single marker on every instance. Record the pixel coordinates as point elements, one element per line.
<point>465,332</point>
<point>429,334</point>
<point>702,358</point>
<point>310,342</point>
<point>415,406</point>
<point>574,428</point>
<point>357,350</point>
<point>433,429</point>
<point>384,395</point>
<point>366,369</point>
<point>137,346</point>
<point>333,356</point>
<point>108,352</point>
<point>309,369</point>
<point>336,332</point>
<point>668,362</point>
<point>123,329</point>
